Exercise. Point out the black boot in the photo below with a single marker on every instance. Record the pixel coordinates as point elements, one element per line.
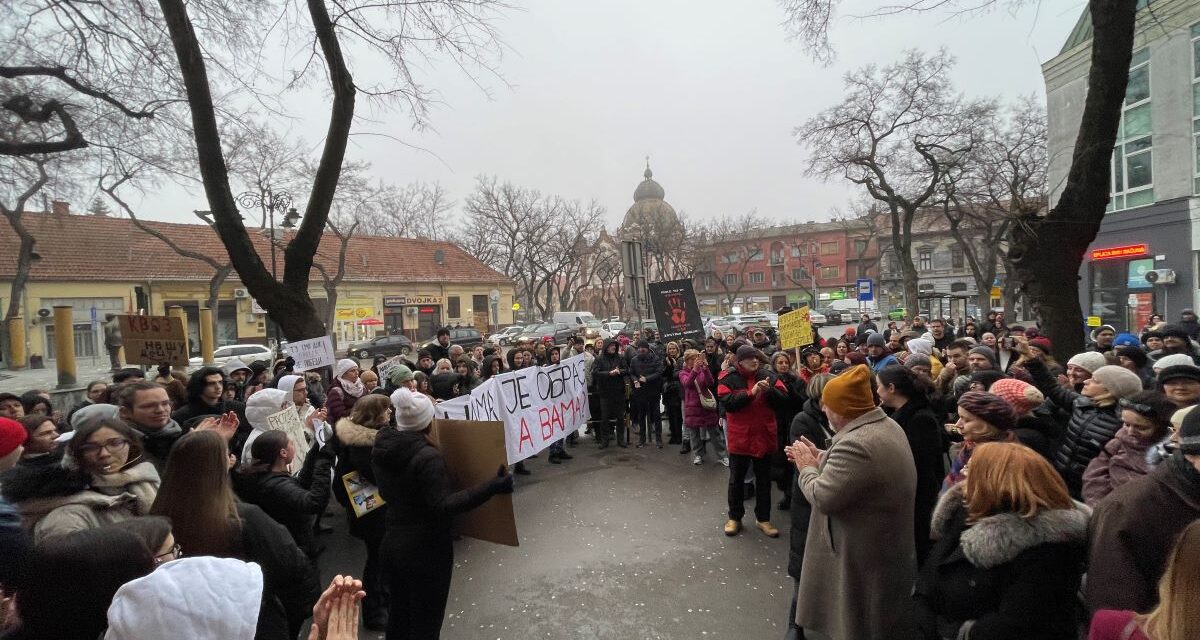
<point>520,469</point>
<point>565,456</point>
<point>687,447</point>
<point>555,458</point>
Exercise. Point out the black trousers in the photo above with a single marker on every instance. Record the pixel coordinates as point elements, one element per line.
<point>612,420</point>
<point>648,417</point>
<point>418,577</point>
<point>674,405</point>
<point>373,582</point>
<point>738,466</point>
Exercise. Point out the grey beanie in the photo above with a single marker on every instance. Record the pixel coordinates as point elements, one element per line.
<point>987,353</point>
<point>876,340</point>
<point>1119,381</point>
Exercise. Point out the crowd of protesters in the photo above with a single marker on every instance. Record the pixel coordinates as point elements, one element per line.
<point>1016,475</point>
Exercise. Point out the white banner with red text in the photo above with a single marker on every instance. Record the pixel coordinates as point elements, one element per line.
<point>538,405</point>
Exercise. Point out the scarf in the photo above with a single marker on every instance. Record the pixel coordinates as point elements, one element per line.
<point>352,388</point>
<point>959,463</point>
<point>140,480</point>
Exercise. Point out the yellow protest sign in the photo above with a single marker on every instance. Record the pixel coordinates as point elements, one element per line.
<point>1093,321</point>
<point>795,330</point>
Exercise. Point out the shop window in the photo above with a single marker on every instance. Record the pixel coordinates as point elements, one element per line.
<point>453,307</point>
<point>1132,168</point>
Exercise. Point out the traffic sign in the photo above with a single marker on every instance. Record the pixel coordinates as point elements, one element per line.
<point>516,306</point>
<point>866,289</point>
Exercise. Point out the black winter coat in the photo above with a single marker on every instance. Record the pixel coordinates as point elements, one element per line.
<point>413,481</point>
<point>609,385</point>
<point>650,367</point>
<point>810,423</point>
<point>290,587</point>
<point>354,443</point>
<point>1040,433</point>
<point>923,431</point>
<point>291,501</point>
<point>1090,428</point>
<point>1004,577</point>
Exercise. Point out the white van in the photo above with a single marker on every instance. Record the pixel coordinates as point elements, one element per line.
<point>574,319</point>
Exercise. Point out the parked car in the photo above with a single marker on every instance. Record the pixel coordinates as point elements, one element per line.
<point>394,345</point>
<point>718,324</point>
<point>613,327</point>
<point>832,316</point>
<point>549,333</point>
<point>466,337</point>
<point>593,332</point>
<point>501,338</point>
<point>740,322</point>
<point>247,353</point>
<point>817,319</point>
<point>899,313</point>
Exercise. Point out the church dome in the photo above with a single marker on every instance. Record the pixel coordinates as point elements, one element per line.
<point>648,189</point>
<point>650,215</point>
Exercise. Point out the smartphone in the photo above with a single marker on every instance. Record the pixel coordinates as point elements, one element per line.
<point>1006,343</point>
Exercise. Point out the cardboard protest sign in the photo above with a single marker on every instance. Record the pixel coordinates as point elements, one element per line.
<point>676,310</point>
<point>474,451</point>
<point>538,405</point>
<point>312,354</point>
<point>154,340</point>
<point>795,330</point>
<point>288,421</point>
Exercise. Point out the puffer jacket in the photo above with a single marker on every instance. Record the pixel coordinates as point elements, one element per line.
<point>54,500</point>
<point>354,443</point>
<point>1122,460</point>
<point>291,501</point>
<point>695,416</point>
<point>750,427</point>
<point>1089,429</point>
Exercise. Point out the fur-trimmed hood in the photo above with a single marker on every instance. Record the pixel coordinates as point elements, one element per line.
<point>352,434</point>
<point>997,539</point>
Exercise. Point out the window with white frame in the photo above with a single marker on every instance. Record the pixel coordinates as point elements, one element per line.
<point>1196,107</point>
<point>756,277</point>
<point>731,279</point>
<point>925,260</point>
<point>706,281</point>
<point>1132,177</point>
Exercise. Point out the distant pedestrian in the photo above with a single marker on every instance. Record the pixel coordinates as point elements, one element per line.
<point>113,340</point>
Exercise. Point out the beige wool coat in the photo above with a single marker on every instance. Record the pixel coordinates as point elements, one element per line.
<point>860,557</point>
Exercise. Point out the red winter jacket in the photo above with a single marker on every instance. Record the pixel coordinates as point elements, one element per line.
<point>749,420</point>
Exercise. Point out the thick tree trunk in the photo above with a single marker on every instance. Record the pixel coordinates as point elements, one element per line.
<point>1047,252</point>
<point>288,303</point>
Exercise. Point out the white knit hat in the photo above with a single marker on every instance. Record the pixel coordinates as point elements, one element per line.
<point>414,411</point>
<point>1088,360</point>
<point>1172,360</point>
<point>344,365</point>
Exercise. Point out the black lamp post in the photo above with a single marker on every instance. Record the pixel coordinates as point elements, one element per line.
<point>268,201</point>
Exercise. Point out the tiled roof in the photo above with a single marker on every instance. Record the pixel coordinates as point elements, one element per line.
<point>86,247</point>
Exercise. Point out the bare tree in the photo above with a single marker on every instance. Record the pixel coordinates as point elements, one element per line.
<point>416,210</point>
<point>331,282</point>
<point>1045,271</point>
<point>180,76</point>
<point>29,177</point>
<point>896,133</point>
<point>865,226</point>
<point>221,268</point>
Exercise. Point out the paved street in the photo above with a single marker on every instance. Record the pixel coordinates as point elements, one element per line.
<point>621,544</point>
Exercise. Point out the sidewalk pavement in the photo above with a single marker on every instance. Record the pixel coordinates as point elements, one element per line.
<point>47,379</point>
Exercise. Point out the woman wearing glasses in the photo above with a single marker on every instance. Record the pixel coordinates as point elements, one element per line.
<point>103,479</point>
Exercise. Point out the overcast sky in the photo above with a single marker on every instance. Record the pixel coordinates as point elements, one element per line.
<point>711,91</point>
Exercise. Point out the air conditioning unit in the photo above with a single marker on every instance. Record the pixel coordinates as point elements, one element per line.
<point>241,293</point>
<point>1160,276</point>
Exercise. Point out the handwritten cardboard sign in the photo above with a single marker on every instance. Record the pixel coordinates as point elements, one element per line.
<point>154,340</point>
<point>288,421</point>
<point>795,330</point>
<point>312,354</point>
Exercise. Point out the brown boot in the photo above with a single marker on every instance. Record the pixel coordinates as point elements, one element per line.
<point>733,527</point>
<point>768,529</point>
